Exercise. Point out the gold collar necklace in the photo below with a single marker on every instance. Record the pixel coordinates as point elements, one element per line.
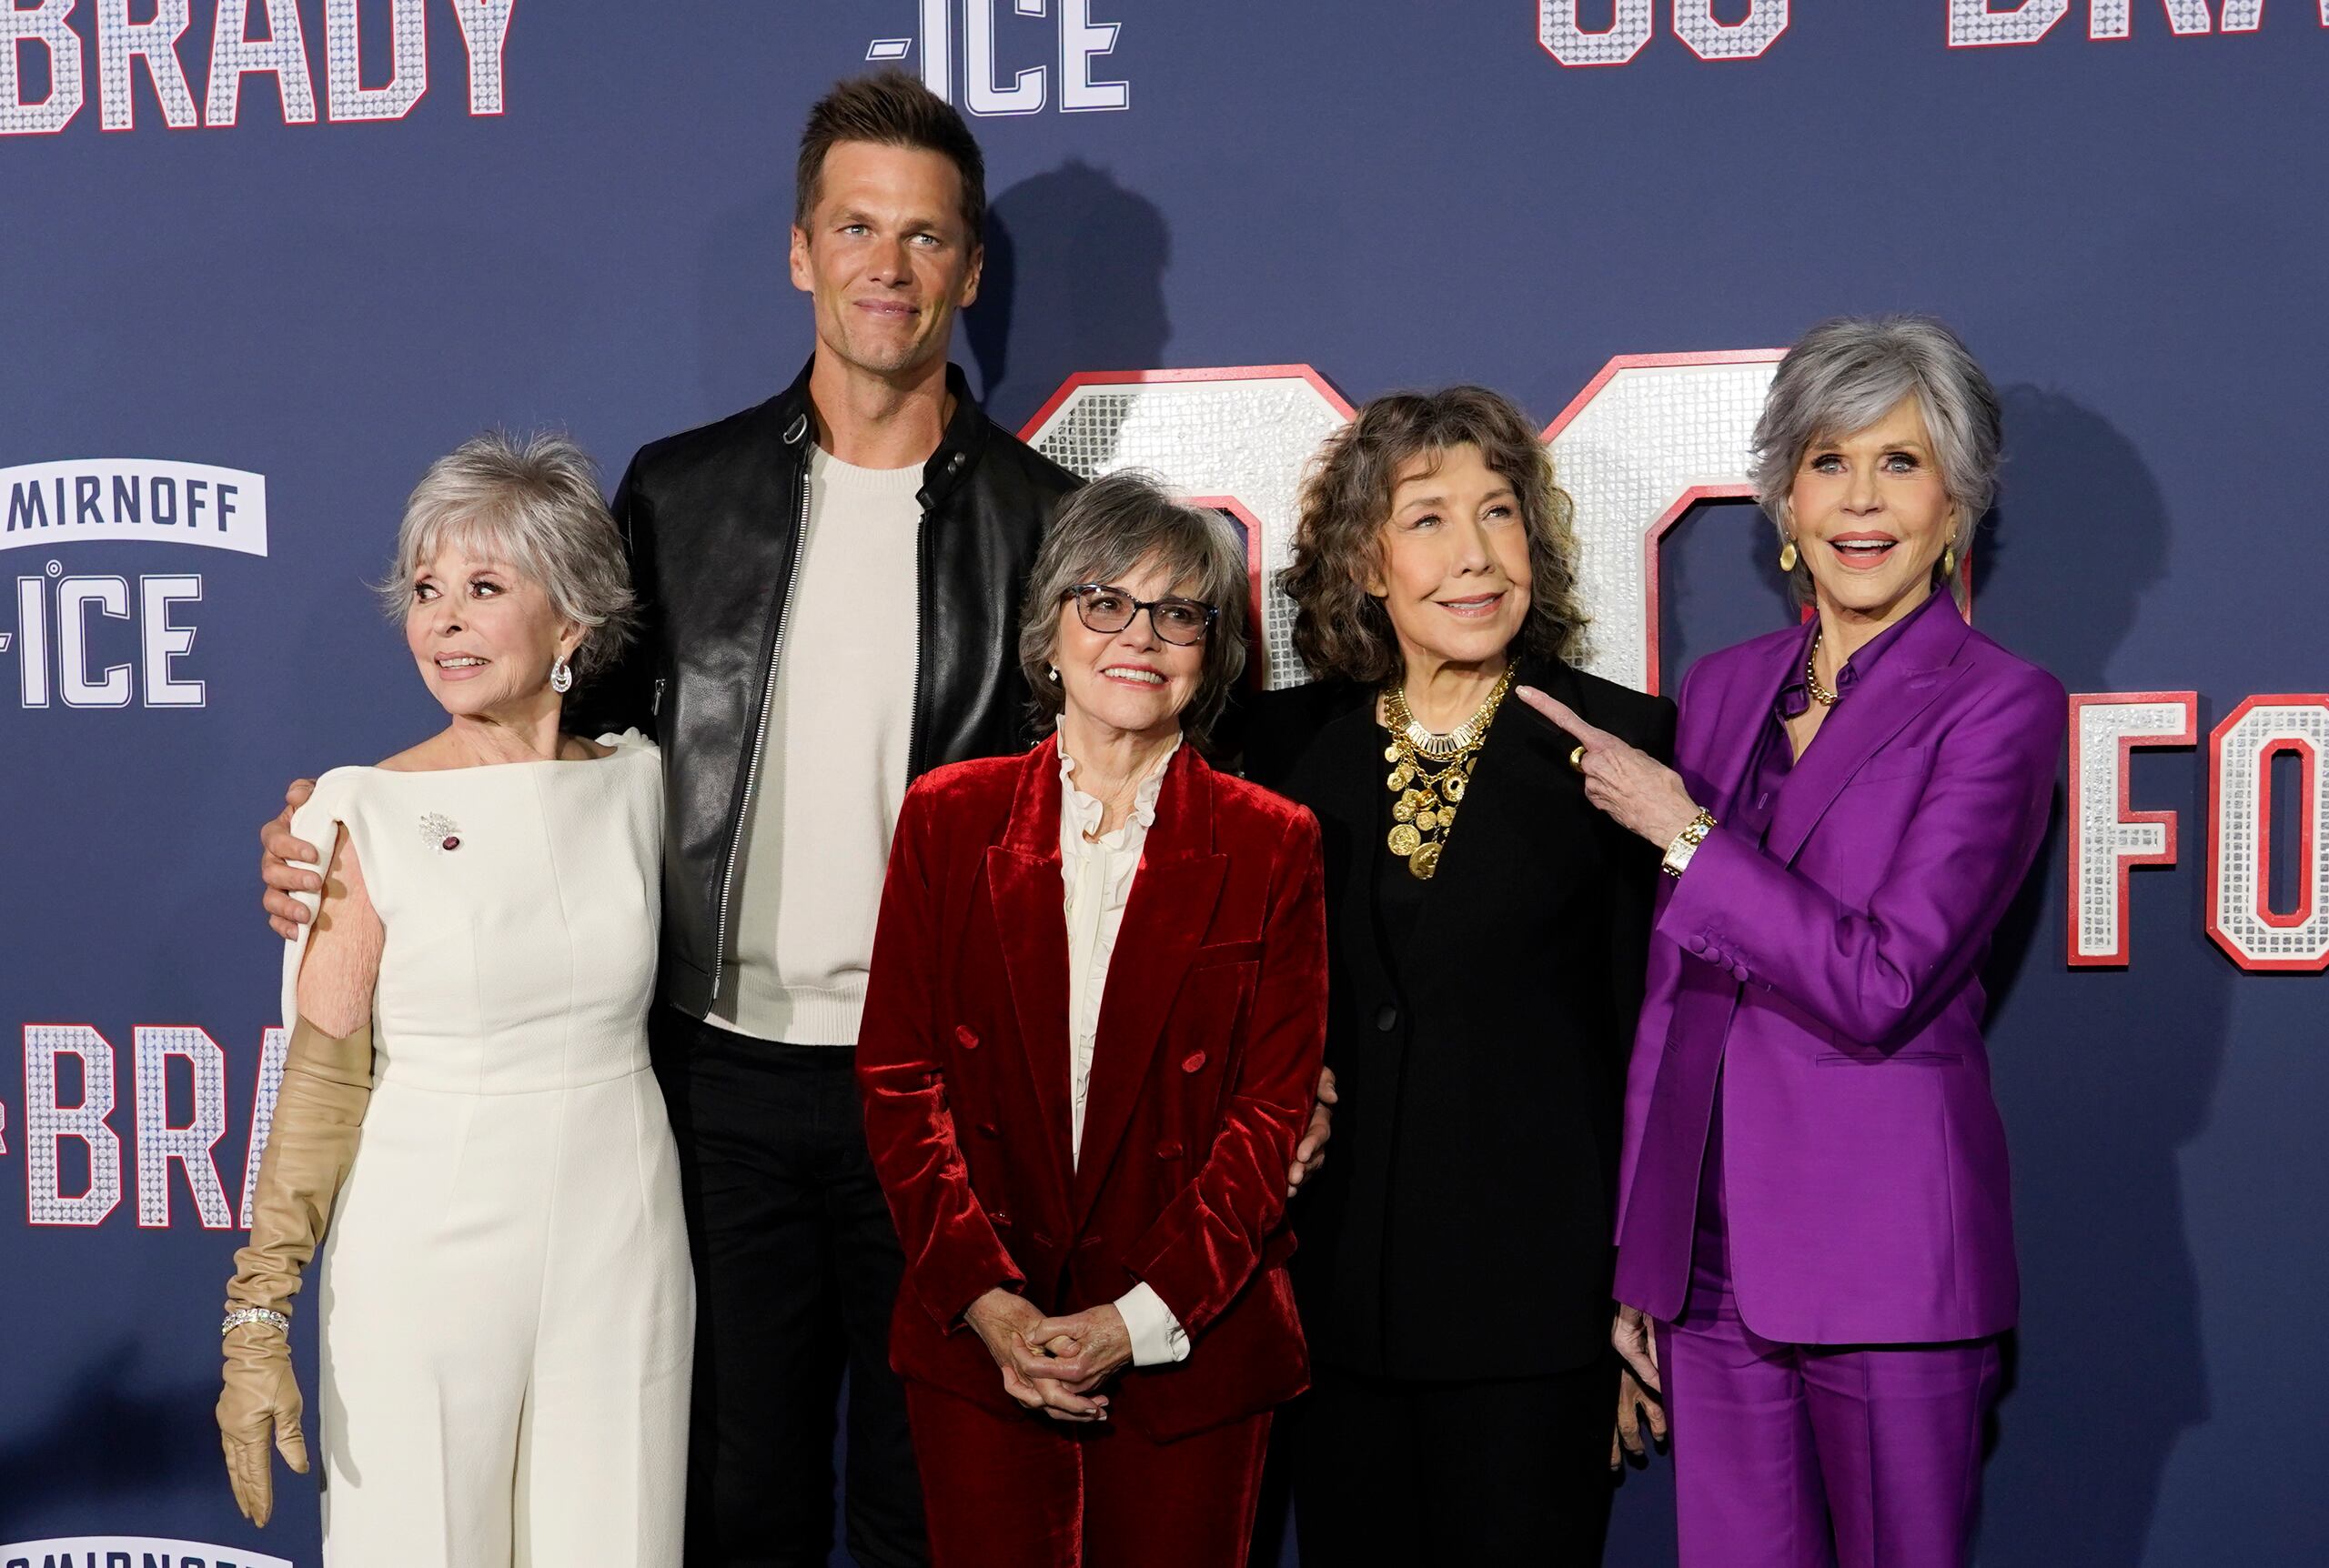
<point>1430,774</point>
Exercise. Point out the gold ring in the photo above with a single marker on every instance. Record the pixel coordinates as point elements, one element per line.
<point>1576,759</point>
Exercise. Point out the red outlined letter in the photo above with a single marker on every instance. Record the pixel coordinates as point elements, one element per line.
<point>344,62</point>
<point>121,42</point>
<point>2107,840</point>
<point>45,24</point>
<point>1649,437</point>
<point>1975,24</point>
<point>47,1124</point>
<point>159,1144</point>
<point>2240,804</point>
<point>1237,436</point>
<point>283,52</point>
<point>1745,39</point>
<point>1559,34</point>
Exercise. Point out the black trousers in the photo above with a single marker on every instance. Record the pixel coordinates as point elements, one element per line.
<point>796,1268</point>
<point>1506,1471</point>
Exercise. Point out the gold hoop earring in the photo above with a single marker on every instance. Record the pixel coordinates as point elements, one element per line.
<point>1788,557</point>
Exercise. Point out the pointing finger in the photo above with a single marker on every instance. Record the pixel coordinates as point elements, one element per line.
<point>1561,714</point>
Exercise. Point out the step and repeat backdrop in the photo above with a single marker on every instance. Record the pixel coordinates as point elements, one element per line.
<point>263,259</point>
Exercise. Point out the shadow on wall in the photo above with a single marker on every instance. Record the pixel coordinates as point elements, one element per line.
<point>752,336</point>
<point>2102,1086</point>
<point>1074,281</point>
<point>77,1454</point>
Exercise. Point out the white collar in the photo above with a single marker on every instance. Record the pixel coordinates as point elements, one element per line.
<point>1084,814</point>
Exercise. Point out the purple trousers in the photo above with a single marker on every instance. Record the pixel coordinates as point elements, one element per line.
<point>1804,1456</point>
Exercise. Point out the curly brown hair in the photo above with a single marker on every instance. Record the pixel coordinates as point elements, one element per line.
<point>1342,630</point>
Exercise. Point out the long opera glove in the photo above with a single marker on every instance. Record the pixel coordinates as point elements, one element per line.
<point>318,1111</point>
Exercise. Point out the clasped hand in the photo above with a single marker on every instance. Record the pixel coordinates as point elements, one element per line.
<point>1052,1364</point>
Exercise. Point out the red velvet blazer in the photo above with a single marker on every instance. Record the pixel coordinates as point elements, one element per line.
<point>1211,1028</point>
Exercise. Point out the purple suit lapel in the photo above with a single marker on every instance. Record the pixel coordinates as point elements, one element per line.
<point>1912,672</point>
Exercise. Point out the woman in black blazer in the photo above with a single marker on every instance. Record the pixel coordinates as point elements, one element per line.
<point>1488,933</point>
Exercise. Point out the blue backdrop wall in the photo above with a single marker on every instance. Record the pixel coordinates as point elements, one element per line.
<point>579,220</point>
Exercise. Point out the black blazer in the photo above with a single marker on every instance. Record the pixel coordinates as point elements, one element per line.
<point>1473,1171</point>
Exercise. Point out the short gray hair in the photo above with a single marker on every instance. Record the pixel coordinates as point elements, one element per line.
<point>1845,375</point>
<point>531,501</point>
<point>1105,530</point>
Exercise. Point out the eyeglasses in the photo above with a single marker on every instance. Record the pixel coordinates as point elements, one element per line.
<point>1104,607</point>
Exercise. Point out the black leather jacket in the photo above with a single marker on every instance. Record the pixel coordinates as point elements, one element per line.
<point>711,519</point>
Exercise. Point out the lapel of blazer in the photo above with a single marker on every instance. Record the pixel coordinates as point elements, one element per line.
<point>1522,777</point>
<point>1912,672</point>
<point>1173,896</point>
<point>1743,708</point>
<point>1022,880</point>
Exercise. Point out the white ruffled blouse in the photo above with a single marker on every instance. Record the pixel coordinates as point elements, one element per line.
<point>1098,873</point>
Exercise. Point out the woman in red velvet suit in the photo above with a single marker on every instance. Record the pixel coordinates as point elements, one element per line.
<point>1096,1014</point>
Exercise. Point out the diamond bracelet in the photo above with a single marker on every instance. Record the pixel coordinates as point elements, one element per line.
<point>242,1315</point>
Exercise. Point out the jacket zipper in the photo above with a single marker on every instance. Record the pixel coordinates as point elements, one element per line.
<point>759,736</point>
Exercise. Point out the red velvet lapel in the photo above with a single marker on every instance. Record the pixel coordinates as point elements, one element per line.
<point>1022,880</point>
<point>1912,672</point>
<point>1173,896</point>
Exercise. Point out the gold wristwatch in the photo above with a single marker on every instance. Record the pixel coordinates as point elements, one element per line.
<point>1685,843</point>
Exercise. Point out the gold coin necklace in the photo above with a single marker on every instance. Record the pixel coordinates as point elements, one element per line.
<point>1430,774</point>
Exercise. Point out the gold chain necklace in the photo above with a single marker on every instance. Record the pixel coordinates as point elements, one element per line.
<point>1430,774</point>
<point>1819,694</point>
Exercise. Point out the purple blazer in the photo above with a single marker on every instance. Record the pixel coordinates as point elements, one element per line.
<point>1864,1160</point>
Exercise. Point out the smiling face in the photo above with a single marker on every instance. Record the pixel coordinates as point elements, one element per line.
<point>1131,681</point>
<point>484,637</point>
<point>1453,572</point>
<point>1870,516</point>
<point>886,258</point>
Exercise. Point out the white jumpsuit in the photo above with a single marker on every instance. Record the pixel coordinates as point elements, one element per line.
<point>505,1310</point>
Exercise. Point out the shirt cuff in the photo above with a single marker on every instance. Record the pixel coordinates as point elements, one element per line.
<point>1158,1337</point>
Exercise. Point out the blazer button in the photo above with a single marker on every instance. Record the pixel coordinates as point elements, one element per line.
<point>1387,1018</point>
<point>966,1036</point>
<point>1192,1061</point>
<point>989,1130</point>
<point>1087,1243</point>
<point>999,1217</point>
<point>1168,1150</point>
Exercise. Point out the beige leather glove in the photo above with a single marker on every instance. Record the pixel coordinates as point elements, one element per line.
<point>312,1142</point>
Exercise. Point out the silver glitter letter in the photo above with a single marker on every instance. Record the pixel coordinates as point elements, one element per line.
<point>284,51</point>
<point>47,1124</point>
<point>2106,839</point>
<point>1566,40</point>
<point>159,1144</point>
<point>121,41</point>
<point>45,24</point>
<point>2240,824</point>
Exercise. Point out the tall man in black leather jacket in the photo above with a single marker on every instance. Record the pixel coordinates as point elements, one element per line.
<point>832,581</point>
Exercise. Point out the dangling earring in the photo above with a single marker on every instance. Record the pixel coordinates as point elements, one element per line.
<point>1788,557</point>
<point>561,676</point>
<point>1949,561</point>
<point>1054,674</point>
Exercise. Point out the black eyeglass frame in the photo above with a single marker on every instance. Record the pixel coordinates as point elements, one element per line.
<point>1080,593</point>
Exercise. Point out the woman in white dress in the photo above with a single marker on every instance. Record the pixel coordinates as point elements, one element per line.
<point>505,1310</point>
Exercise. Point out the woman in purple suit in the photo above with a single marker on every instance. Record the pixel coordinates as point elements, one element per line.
<point>1813,1204</point>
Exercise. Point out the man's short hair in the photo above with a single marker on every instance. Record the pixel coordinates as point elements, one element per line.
<point>890,108</point>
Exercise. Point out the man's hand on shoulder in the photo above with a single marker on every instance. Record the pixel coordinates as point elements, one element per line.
<point>277,850</point>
